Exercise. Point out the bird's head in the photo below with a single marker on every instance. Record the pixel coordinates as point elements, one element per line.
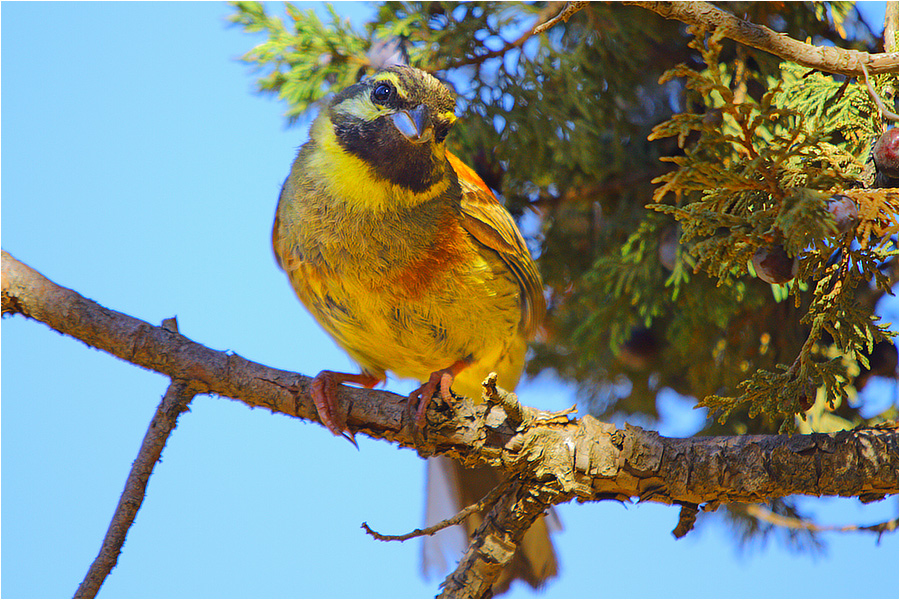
<point>396,121</point>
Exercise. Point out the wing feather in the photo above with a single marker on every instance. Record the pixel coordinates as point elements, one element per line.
<point>491,225</point>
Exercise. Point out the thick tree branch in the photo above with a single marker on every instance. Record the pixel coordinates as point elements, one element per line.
<point>173,404</point>
<point>828,59</point>
<point>591,459</point>
<point>549,458</point>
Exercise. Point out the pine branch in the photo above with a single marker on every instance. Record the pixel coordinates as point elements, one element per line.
<point>828,59</point>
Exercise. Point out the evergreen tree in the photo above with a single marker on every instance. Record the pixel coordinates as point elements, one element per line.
<point>709,217</point>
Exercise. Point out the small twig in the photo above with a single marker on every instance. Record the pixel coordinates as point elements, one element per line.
<point>518,43</point>
<point>686,519</point>
<point>885,113</point>
<point>841,91</point>
<point>456,519</point>
<point>175,402</point>
<point>764,514</point>
<point>564,15</point>
<point>506,400</point>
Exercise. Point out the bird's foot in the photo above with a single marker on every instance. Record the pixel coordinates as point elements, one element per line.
<point>439,380</point>
<point>323,388</point>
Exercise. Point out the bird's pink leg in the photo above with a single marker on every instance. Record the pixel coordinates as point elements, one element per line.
<point>438,380</point>
<point>322,390</point>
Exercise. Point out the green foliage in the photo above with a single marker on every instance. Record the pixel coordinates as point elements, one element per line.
<point>843,109</point>
<point>656,162</point>
<point>306,64</point>
<point>780,171</point>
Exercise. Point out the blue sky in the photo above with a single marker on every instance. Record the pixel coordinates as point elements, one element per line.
<point>140,170</point>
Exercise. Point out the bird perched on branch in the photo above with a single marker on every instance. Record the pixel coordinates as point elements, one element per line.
<point>403,254</point>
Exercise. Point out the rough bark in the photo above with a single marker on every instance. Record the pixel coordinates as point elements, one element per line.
<point>592,459</point>
<point>823,58</point>
<point>549,458</point>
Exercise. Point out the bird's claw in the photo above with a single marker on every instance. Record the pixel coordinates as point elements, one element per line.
<point>322,390</point>
<point>421,397</point>
<point>350,437</point>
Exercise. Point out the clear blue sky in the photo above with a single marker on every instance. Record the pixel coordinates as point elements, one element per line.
<point>140,169</point>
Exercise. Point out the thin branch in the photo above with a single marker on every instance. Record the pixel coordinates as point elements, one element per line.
<point>489,499</point>
<point>517,43</point>
<point>564,15</point>
<point>885,113</point>
<point>173,404</point>
<point>828,59</point>
<point>764,514</point>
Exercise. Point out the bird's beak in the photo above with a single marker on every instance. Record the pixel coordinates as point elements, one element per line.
<point>415,124</point>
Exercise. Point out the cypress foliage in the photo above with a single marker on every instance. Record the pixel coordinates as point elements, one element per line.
<point>671,174</point>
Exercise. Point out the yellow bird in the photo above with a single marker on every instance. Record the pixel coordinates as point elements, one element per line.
<point>402,253</point>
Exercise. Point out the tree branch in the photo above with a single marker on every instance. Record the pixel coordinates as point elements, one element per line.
<point>593,460</point>
<point>828,59</point>
<point>489,499</point>
<point>496,539</point>
<point>885,113</point>
<point>568,10</point>
<point>174,403</point>
<point>890,27</point>
<point>548,458</point>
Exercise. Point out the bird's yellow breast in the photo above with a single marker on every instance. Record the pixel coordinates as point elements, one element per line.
<point>409,292</point>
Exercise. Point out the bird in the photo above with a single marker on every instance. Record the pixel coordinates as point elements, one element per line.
<point>406,258</point>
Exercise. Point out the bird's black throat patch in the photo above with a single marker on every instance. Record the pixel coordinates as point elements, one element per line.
<point>391,155</point>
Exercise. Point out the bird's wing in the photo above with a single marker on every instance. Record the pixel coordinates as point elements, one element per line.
<point>491,225</point>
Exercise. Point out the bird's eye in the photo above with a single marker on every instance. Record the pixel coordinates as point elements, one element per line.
<point>382,93</point>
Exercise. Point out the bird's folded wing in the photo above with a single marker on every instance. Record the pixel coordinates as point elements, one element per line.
<point>492,226</point>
